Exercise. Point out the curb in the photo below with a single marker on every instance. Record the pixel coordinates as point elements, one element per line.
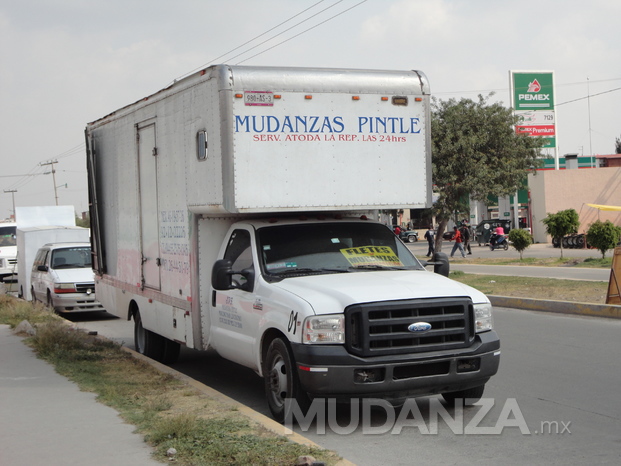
<point>259,418</point>
<point>609,311</point>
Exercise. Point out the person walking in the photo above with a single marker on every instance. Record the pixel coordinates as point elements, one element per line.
<point>465,235</point>
<point>459,243</point>
<point>430,236</point>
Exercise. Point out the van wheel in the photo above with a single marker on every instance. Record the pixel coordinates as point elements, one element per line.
<point>50,301</point>
<point>466,397</point>
<point>282,385</point>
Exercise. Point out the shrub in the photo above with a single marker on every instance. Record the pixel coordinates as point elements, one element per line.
<point>603,236</point>
<point>520,240</point>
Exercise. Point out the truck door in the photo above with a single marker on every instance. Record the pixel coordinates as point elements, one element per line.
<point>149,218</point>
<point>234,316</point>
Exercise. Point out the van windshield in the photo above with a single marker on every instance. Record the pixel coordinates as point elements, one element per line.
<point>71,258</point>
<point>7,236</point>
<point>288,250</point>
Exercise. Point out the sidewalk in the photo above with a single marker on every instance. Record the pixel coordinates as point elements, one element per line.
<point>46,420</point>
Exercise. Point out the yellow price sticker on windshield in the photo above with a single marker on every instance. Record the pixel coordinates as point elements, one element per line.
<point>371,255</point>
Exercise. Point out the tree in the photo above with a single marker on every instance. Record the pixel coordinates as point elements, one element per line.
<point>603,236</point>
<point>562,223</point>
<point>520,240</point>
<point>476,153</point>
<point>618,145</point>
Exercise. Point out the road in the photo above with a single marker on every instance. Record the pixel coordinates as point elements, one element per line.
<point>558,373</point>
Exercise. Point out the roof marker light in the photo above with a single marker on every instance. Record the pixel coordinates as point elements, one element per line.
<point>308,97</point>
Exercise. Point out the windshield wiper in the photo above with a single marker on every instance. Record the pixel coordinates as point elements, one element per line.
<point>377,267</point>
<point>295,271</point>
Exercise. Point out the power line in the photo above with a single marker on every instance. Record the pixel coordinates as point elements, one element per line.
<point>287,30</point>
<point>303,32</point>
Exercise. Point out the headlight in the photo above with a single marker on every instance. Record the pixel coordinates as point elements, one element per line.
<point>60,288</point>
<point>324,329</point>
<point>483,317</point>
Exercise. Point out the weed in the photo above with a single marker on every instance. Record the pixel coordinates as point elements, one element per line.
<point>166,411</point>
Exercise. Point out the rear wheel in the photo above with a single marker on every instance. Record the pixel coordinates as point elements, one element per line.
<point>153,345</point>
<point>464,397</point>
<point>506,246</point>
<point>282,385</point>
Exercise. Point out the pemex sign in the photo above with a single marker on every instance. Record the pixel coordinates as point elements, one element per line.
<point>532,95</point>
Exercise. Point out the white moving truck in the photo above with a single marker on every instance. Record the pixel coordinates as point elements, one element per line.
<point>233,209</point>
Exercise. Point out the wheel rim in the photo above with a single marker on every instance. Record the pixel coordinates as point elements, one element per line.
<point>278,381</point>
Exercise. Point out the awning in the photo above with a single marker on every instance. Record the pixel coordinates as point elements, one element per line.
<point>605,207</point>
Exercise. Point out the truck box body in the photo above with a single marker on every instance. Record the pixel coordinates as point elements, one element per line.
<point>227,208</point>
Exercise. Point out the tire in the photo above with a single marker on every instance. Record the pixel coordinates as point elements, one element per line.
<point>146,342</point>
<point>412,239</point>
<point>152,345</point>
<point>506,246</point>
<point>50,302</point>
<point>464,397</point>
<point>281,381</point>
<point>33,295</point>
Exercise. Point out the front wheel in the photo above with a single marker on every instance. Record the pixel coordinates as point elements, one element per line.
<point>412,239</point>
<point>282,385</point>
<point>466,397</point>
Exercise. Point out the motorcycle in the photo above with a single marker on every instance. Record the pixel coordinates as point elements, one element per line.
<point>498,242</point>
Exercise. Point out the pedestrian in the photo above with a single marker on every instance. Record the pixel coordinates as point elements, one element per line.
<point>397,230</point>
<point>459,243</point>
<point>465,234</point>
<point>430,236</point>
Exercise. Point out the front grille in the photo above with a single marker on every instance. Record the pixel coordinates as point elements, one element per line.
<point>378,329</point>
<point>84,287</point>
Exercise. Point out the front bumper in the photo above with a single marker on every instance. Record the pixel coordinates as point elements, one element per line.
<point>332,371</point>
<point>76,302</point>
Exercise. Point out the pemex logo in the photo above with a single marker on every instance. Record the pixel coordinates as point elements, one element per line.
<point>534,86</point>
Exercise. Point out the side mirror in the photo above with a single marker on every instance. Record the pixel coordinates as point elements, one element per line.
<point>221,275</point>
<point>441,264</point>
<point>42,268</point>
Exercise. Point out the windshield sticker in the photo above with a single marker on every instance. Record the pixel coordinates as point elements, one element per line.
<point>371,255</point>
<point>282,265</point>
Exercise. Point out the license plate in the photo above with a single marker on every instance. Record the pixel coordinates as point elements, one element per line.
<point>258,98</point>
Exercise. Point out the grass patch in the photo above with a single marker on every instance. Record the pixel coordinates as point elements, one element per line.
<point>166,411</point>
<point>535,287</point>
<point>590,262</point>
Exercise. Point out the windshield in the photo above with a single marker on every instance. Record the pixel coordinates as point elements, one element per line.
<point>7,236</point>
<point>332,248</point>
<point>71,258</point>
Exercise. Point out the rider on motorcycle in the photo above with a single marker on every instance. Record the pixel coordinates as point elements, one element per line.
<point>499,233</point>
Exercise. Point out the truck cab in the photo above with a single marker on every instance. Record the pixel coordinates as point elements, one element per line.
<point>341,308</point>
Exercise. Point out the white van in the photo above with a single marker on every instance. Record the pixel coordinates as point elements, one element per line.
<point>62,277</point>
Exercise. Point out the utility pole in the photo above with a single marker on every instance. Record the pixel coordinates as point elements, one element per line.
<point>52,162</point>
<point>12,191</point>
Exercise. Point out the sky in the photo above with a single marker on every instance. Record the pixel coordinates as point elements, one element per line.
<point>64,63</point>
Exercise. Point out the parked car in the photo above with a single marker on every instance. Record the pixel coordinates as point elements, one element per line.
<point>63,278</point>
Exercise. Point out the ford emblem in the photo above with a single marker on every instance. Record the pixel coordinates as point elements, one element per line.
<point>419,327</point>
